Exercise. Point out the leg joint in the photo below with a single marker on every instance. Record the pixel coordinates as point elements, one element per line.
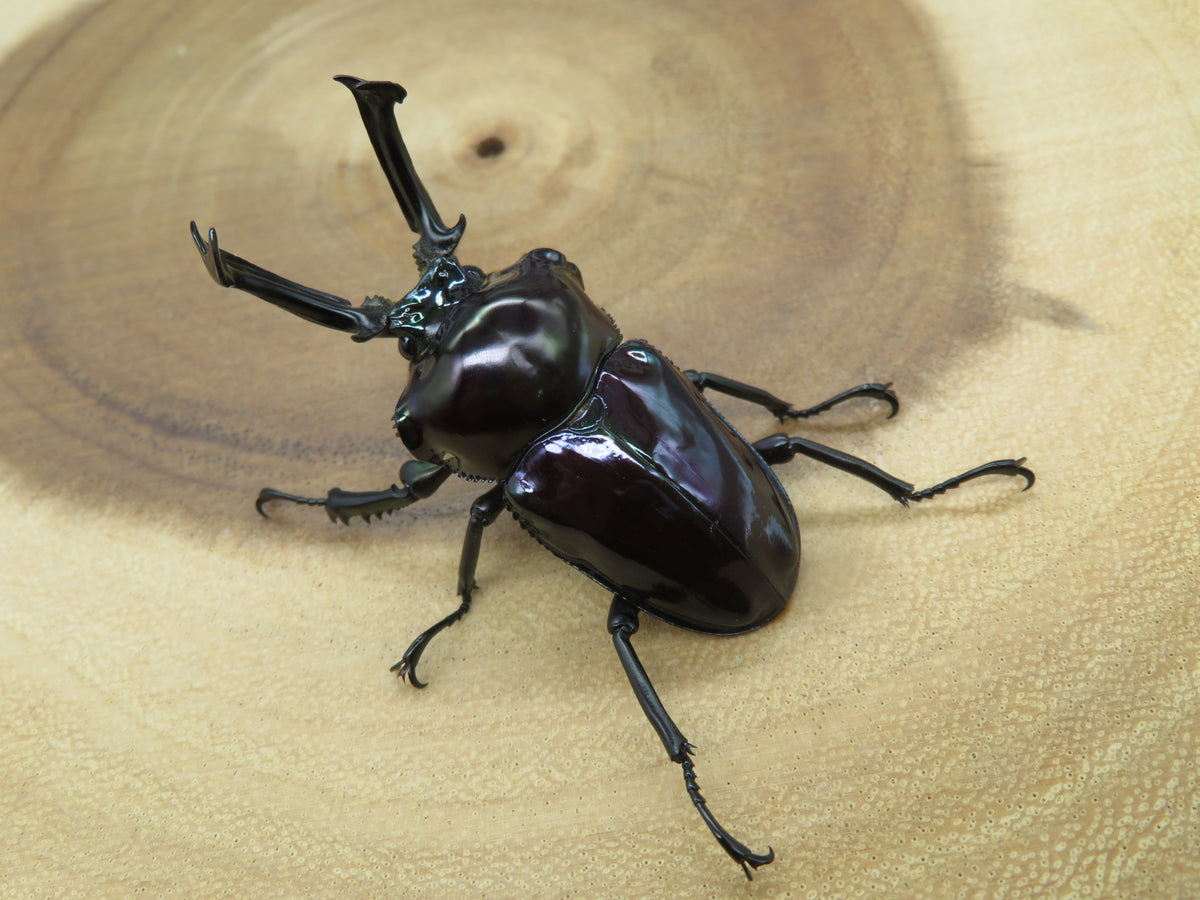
<point>775,449</point>
<point>622,617</point>
<point>487,507</point>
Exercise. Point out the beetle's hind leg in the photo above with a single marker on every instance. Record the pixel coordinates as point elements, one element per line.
<point>781,409</point>
<point>780,448</point>
<point>484,511</point>
<point>622,624</point>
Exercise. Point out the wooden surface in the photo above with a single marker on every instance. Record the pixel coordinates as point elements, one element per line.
<point>993,205</point>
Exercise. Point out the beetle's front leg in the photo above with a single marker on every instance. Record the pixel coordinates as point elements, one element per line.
<point>484,511</point>
<point>419,479</point>
<point>781,409</point>
<point>622,624</point>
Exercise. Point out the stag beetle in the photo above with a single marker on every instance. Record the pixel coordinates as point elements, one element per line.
<point>600,447</point>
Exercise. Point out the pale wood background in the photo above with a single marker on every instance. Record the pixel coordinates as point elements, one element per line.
<point>996,694</point>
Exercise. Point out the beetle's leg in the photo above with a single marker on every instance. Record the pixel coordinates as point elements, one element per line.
<point>781,409</point>
<point>779,448</point>
<point>308,303</point>
<point>420,480</point>
<point>622,623</point>
<point>484,512</point>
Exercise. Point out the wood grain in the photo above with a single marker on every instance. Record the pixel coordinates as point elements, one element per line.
<point>995,694</point>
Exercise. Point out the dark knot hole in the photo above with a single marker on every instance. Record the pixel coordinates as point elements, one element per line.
<point>489,147</point>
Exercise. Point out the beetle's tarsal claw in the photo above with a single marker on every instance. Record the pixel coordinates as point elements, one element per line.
<point>755,860</point>
<point>889,397</point>
<point>1027,474</point>
<point>407,672</point>
<point>406,668</point>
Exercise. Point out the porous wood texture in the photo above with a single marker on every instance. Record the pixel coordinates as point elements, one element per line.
<point>992,694</point>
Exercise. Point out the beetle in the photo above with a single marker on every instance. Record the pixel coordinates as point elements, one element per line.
<point>603,450</point>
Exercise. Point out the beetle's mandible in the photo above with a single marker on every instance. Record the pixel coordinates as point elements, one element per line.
<point>602,449</point>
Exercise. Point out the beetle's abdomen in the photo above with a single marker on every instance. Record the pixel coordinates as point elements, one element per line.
<point>655,496</point>
<point>513,360</point>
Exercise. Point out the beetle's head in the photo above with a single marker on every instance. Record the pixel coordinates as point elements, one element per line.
<point>418,316</point>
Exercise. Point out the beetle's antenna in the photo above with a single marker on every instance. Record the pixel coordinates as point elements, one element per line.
<point>376,103</point>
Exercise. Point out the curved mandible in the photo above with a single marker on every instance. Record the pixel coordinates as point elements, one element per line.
<point>376,104</point>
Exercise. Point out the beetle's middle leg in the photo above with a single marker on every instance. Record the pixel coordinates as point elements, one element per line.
<point>781,409</point>
<point>622,623</point>
<point>780,448</point>
<point>484,511</point>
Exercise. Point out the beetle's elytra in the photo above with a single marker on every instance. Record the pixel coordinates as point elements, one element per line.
<point>601,448</point>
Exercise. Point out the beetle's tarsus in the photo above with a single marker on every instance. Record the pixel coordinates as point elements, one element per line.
<point>406,668</point>
<point>266,495</point>
<point>872,391</point>
<point>781,409</point>
<point>1012,467</point>
<point>738,852</point>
